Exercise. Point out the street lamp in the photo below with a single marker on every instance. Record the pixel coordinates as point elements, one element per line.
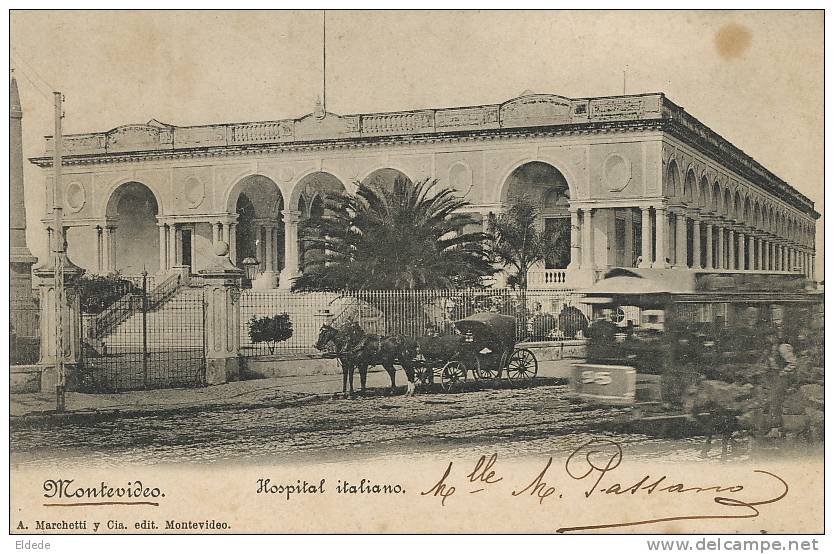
<point>250,267</point>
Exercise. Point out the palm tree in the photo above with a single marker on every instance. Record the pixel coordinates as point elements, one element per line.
<point>411,236</point>
<point>517,242</point>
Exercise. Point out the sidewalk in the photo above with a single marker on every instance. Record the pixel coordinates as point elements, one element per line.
<point>240,394</point>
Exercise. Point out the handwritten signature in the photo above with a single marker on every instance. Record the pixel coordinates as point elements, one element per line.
<point>595,463</point>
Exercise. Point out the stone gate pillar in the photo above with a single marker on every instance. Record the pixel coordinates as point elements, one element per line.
<point>70,324</point>
<point>222,295</point>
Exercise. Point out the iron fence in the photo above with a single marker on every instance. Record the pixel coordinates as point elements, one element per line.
<point>25,319</point>
<point>154,343</point>
<point>541,315</point>
<point>306,314</point>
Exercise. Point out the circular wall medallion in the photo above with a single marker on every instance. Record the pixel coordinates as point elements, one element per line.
<point>460,176</point>
<point>195,191</point>
<point>75,196</point>
<point>617,172</point>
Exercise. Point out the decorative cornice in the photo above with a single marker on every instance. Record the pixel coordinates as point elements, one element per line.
<point>528,116</point>
<point>354,143</point>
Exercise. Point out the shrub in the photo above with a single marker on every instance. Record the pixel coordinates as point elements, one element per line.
<point>571,321</point>
<point>542,326</point>
<point>270,329</point>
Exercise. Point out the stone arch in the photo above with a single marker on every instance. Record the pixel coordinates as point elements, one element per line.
<point>727,205</point>
<point>135,207</point>
<point>308,198</point>
<point>673,180</point>
<point>747,214</point>
<point>258,202</point>
<point>738,207</point>
<point>311,184</point>
<point>111,193</point>
<point>757,214</point>
<point>689,186</point>
<point>704,192</point>
<point>505,182</point>
<point>268,190</point>
<point>716,198</point>
<point>548,189</point>
<point>385,177</point>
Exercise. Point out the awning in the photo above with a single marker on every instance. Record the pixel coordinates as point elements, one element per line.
<point>641,282</point>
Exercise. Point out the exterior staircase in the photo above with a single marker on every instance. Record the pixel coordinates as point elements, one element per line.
<point>174,318</point>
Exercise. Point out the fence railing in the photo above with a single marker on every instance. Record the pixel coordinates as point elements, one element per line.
<point>25,319</point>
<point>120,311</point>
<point>541,315</point>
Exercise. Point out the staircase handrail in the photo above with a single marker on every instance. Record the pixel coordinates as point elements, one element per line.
<point>131,302</point>
<point>164,291</point>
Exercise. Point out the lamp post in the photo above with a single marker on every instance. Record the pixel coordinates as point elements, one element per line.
<point>250,267</point>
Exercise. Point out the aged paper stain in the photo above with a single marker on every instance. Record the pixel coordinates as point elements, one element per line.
<point>732,40</point>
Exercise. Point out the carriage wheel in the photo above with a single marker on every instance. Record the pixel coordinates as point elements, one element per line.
<point>453,373</point>
<point>422,374</point>
<point>486,372</point>
<point>522,365</point>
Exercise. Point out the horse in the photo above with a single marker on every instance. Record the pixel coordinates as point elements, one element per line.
<point>717,407</point>
<point>356,349</point>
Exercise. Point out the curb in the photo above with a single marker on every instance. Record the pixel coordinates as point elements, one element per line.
<point>34,419</point>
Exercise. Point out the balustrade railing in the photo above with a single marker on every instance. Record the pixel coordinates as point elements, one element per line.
<point>548,278</point>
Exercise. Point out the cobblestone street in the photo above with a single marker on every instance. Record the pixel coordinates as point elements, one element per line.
<point>527,419</point>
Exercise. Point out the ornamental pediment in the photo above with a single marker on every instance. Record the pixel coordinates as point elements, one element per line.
<point>330,125</point>
<point>150,136</point>
<point>536,109</point>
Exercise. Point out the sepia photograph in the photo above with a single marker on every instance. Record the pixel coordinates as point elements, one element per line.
<point>427,271</point>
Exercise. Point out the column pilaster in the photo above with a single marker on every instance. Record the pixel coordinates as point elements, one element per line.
<point>587,239</point>
<point>680,239</point>
<point>645,238</point>
<point>163,246</point>
<point>696,243</point>
<point>709,253</point>
<point>575,247</point>
<point>742,242</point>
<point>731,249</point>
<point>661,238</point>
<point>291,271</point>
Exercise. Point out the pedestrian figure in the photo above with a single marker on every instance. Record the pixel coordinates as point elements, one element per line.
<point>781,377</point>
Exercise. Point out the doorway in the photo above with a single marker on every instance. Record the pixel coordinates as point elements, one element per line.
<point>186,247</point>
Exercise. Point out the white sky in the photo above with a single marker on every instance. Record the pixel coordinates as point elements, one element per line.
<point>210,67</point>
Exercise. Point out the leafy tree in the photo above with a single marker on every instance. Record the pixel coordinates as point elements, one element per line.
<point>411,236</point>
<point>270,329</point>
<point>518,244</point>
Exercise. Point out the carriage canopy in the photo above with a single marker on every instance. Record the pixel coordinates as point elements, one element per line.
<point>491,327</point>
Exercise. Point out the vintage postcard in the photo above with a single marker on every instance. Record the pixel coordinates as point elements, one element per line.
<point>550,272</point>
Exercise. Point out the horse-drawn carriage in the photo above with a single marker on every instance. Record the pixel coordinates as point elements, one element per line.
<point>694,353</point>
<point>485,348</point>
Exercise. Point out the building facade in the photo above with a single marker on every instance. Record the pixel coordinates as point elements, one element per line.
<point>633,181</point>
